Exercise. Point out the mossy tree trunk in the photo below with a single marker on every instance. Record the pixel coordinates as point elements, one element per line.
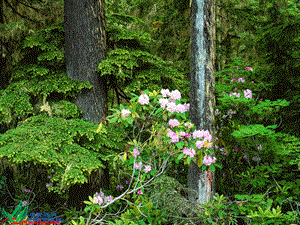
<point>202,97</point>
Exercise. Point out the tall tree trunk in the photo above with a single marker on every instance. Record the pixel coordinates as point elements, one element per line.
<point>4,75</point>
<point>85,49</point>
<point>202,88</point>
<point>1,12</point>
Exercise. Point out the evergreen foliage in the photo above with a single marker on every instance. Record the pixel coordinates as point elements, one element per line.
<point>39,77</point>
<point>167,23</point>
<point>129,66</point>
<point>72,147</point>
<point>267,34</point>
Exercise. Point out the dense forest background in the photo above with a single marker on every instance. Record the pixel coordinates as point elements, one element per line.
<point>52,159</point>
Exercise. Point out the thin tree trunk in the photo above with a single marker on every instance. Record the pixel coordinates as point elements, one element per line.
<point>85,49</point>
<point>202,88</point>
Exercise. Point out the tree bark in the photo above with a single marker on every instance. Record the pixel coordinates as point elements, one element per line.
<point>202,97</point>
<point>4,74</point>
<point>85,49</point>
<point>1,12</point>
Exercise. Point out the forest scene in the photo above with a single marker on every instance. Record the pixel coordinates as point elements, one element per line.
<point>150,112</point>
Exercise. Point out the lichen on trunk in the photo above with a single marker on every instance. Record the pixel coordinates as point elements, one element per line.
<point>202,88</point>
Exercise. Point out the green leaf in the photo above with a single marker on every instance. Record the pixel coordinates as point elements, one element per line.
<point>252,130</point>
<point>165,117</point>
<point>188,160</point>
<point>180,144</point>
<point>180,156</point>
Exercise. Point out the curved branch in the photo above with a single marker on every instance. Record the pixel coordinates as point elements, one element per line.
<point>123,94</point>
<point>29,6</point>
<point>16,12</point>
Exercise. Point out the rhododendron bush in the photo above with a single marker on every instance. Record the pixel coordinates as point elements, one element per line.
<point>158,131</point>
<point>253,157</point>
<point>157,127</point>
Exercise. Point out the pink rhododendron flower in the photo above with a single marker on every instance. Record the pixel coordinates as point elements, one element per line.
<point>198,134</point>
<point>181,133</point>
<point>224,152</point>
<point>186,151</point>
<point>147,169</point>
<point>233,80</point>
<point>171,134</point>
<point>139,192</point>
<point>207,136</point>
<point>192,152</point>
<point>180,108</point>
<point>163,102</point>
<point>174,139</point>
<point>199,144</point>
<point>261,99</point>
<point>125,112</point>
<point>248,93</point>
<point>108,199</point>
<point>189,125</point>
<point>248,68</point>
<point>235,94</point>
<point>171,107</point>
<point>187,135</point>
<point>165,92</point>
<point>98,200</point>
<point>138,166</point>
<point>144,99</point>
<point>187,106</point>
<point>175,95</point>
<point>135,152</point>
<point>256,158</point>
<point>209,145</point>
<point>189,152</point>
<point>242,80</point>
<point>119,187</point>
<point>208,160</point>
<point>252,82</point>
<point>173,122</point>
